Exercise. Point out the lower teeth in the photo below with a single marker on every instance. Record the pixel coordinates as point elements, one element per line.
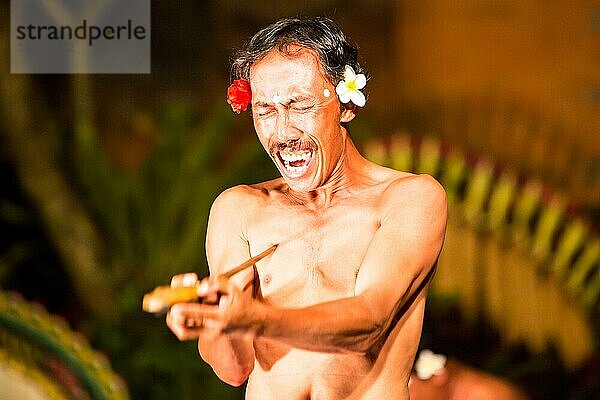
<point>298,169</point>
<point>293,169</point>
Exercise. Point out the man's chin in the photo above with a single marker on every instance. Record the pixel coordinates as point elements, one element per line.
<point>303,183</point>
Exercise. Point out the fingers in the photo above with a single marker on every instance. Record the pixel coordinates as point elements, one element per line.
<point>188,279</point>
<point>208,319</point>
<point>183,328</point>
<point>197,311</point>
<point>207,292</point>
<point>189,320</point>
<point>184,322</point>
<point>219,284</point>
<point>212,290</point>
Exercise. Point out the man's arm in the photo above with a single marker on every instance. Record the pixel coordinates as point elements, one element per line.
<point>396,269</point>
<point>230,355</point>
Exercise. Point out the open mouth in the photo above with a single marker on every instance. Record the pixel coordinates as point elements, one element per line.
<point>295,162</point>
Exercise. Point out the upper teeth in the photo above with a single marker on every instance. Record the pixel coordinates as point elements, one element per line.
<point>295,156</point>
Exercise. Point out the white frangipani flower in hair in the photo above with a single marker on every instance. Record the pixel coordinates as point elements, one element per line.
<point>349,88</point>
<point>429,364</point>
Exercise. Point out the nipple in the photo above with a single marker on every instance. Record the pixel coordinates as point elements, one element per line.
<point>267,279</point>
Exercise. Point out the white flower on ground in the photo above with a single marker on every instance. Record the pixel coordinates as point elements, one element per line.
<point>349,88</point>
<point>429,364</point>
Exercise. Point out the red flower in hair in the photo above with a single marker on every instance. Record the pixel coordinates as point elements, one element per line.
<point>239,95</point>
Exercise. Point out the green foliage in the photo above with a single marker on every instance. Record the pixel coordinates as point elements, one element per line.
<point>155,364</point>
<point>154,221</point>
<point>153,224</point>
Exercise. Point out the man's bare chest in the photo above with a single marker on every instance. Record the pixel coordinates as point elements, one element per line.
<point>318,255</point>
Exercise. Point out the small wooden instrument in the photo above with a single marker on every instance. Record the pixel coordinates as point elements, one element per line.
<point>161,298</point>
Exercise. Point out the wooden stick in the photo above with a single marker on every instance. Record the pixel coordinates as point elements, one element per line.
<point>161,298</point>
<point>249,262</point>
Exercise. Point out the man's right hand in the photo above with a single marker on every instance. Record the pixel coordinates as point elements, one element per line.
<point>232,357</point>
<point>180,318</point>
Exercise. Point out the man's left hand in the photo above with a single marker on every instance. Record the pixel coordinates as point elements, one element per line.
<point>224,309</point>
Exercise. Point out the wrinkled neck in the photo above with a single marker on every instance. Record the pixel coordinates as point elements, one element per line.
<point>345,175</point>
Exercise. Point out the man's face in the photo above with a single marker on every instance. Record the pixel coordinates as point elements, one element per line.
<point>296,122</point>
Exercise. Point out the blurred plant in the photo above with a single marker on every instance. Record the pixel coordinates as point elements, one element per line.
<point>153,222</point>
<point>13,252</point>
<point>118,233</point>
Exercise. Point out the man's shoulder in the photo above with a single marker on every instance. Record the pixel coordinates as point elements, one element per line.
<point>407,185</point>
<point>246,196</point>
<point>417,190</point>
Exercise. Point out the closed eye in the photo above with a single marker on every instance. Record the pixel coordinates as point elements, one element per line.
<point>263,112</point>
<point>302,106</point>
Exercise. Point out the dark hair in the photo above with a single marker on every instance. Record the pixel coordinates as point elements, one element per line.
<point>319,34</point>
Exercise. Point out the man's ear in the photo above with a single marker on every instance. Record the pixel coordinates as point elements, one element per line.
<point>347,114</point>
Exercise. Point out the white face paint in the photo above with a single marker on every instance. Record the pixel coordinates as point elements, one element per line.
<point>326,92</point>
<point>276,99</point>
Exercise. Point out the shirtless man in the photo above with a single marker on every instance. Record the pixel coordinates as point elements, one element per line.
<point>336,311</point>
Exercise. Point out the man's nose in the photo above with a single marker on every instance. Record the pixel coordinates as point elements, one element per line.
<point>285,128</point>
